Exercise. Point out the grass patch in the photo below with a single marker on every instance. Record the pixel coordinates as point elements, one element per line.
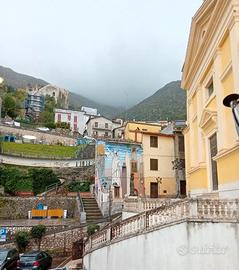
<point>39,150</point>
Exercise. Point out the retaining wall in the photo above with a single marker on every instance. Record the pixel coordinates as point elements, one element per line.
<point>17,208</point>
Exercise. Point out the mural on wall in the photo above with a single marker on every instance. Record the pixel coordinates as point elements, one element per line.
<point>113,164</point>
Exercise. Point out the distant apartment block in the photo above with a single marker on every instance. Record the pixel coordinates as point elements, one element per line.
<point>34,104</point>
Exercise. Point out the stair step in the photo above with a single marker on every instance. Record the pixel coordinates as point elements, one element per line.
<point>92,210</point>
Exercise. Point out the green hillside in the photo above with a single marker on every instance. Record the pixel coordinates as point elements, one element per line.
<point>18,80</point>
<point>169,102</point>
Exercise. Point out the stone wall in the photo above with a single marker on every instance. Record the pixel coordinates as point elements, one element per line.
<point>61,241</point>
<point>41,136</point>
<point>17,208</point>
<point>79,173</point>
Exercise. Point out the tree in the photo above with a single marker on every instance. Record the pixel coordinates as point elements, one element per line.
<point>37,232</point>
<point>50,104</point>
<point>9,106</point>
<point>41,178</point>
<point>22,240</point>
<point>9,177</point>
<point>46,117</point>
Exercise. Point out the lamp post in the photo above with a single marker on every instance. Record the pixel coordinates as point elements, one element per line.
<point>232,101</point>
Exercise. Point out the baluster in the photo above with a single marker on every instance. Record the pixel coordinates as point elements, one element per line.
<point>219,210</point>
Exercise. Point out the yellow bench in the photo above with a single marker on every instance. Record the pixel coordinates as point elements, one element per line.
<point>48,213</point>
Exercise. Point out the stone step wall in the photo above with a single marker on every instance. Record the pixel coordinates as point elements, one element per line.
<point>17,208</point>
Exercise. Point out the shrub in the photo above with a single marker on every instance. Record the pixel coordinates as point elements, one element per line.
<point>50,125</point>
<point>37,232</point>
<point>92,228</point>
<point>79,186</point>
<point>22,240</point>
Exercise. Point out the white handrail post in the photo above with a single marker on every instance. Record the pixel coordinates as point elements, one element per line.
<point>108,235</point>
<point>193,208</point>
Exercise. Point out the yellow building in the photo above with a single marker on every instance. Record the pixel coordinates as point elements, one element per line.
<point>158,155</point>
<point>133,129</point>
<point>158,176</point>
<point>211,72</point>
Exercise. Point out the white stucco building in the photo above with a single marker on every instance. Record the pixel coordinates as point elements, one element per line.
<point>99,127</point>
<point>76,119</point>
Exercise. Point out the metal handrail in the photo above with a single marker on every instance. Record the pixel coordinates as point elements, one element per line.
<point>82,209</point>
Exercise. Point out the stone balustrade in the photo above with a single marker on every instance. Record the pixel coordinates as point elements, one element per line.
<point>177,211</point>
<point>138,205</point>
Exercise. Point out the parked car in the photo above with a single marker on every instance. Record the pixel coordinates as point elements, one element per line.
<point>35,260</point>
<point>8,259</point>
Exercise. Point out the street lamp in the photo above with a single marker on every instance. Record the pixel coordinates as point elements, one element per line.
<point>232,101</point>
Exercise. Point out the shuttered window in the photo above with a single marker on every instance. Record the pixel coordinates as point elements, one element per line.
<point>153,141</point>
<point>153,164</point>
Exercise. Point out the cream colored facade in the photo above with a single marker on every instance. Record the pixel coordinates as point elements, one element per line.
<point>163,177</point>
<point>211,72</point>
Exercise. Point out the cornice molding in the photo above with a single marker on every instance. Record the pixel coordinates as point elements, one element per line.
<point>191,65</point>
<point>226,152</point>
<point>207,117</point>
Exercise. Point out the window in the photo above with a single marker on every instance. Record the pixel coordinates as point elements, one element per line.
<point>96,124</point>
<point>153,141</point>
<point>75,118</point>
<point>59,117</point>
<point>181,144</point>
<point>69,117</point>
<point>210,89</point>
<point>75,127</point>
<point>106,125</point>
<point>213,153</point>
<point>133,167</point>
<point>133,154</point>
<point>106,134</point>
<point>153,164</point>
<point>95,133</point>
<point>116,192</point>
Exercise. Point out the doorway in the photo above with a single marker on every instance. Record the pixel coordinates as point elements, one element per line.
<point>153,190</point>
<point>183,191</point>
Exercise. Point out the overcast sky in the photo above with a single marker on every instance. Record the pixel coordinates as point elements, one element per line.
<point>114,51</point>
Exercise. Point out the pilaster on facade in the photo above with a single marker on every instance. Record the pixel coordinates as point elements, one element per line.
<point>234,38</point>
<point>219,97</point>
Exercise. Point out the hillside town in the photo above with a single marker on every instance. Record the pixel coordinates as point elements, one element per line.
<point>84,189</point>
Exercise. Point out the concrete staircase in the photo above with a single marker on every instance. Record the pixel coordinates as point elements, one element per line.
<point>93,213</point>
